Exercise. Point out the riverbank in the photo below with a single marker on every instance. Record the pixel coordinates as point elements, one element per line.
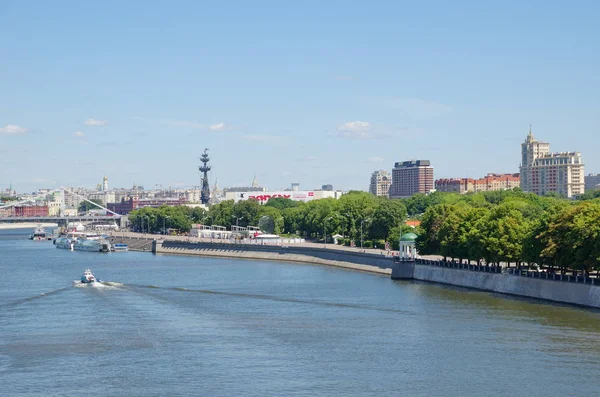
<point>302,253</point>
<point>580,294</point>
<point>584,293</point>
<point>29,225</point>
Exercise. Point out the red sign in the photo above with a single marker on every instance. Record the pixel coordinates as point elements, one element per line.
<point>266,197</point>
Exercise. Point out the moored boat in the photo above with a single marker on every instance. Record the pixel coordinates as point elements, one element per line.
<point>92,245</point>
<point>65,243</point>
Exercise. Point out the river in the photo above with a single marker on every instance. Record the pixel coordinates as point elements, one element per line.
<point>175,326</point>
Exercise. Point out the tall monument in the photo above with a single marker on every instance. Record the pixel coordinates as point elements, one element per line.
<point>204,168</point>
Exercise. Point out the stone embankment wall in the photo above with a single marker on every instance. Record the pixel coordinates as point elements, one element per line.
<point>134,243</point>
<point>331,257</point>
<point>557,291</point>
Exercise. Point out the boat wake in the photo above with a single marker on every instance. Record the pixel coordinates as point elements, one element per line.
<point>33,298</point>
<point>272,298</point>
<point>97,284</point>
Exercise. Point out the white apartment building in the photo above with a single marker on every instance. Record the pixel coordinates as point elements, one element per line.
<point>380,183</point>
<point>543,172</point>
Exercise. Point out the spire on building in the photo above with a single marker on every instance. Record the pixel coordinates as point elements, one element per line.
<point>254,181</point>
<point>530,135</point>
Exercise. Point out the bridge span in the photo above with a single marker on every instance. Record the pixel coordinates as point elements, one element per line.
<point>120,220</point>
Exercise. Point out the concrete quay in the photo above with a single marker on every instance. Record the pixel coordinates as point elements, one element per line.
<point>374,261</point>
<point>580,294</point>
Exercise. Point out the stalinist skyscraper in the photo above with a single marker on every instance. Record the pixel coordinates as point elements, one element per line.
<point>543,172</point>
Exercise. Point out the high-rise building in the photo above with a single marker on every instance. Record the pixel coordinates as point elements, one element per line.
<point>380,183</point>
<point>592,182</point>
<point>410,177</point>
<point>543,172</point>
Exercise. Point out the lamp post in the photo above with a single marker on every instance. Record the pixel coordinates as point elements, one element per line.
<point>237,220</point>
<point>361,231</point>
<point>164,228</point>
<point>325,231</point>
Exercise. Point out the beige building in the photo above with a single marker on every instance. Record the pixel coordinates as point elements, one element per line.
<point>380,183</point>
<point>544,172</point>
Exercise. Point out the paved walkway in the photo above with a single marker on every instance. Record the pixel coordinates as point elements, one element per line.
<point>227,241</point>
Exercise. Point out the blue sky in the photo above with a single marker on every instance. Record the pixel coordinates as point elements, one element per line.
<point>312,92</point>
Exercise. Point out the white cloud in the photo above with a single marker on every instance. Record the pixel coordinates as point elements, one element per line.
<point>356,129</point>
<point>375,160</point>
<point>11,129</point>
<point>78,133</point>
<point>95,122</point>
<point>355,126</point>
<point>217,127</point>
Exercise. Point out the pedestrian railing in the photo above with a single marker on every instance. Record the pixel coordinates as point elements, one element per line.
<point>527,273</point>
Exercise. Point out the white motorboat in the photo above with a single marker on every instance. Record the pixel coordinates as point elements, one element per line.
<point>88,277</point>
<point>39,234</point>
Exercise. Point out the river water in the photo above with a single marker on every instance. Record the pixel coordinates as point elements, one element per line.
<point>175,326</point>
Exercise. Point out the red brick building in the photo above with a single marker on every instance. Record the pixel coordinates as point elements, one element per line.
<point>27,211</point>
<point>487,183</point>
<point>124,207</point>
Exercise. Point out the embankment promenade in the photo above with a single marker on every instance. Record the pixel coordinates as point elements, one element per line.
<point>538,285</point>
<point>29,225</point>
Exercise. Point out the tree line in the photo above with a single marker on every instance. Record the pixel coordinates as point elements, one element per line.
<point>514,227</point>
<point>488,227</point>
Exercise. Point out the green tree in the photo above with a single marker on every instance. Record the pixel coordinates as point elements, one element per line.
<point>428,242</point>
<point>281,203</point>
<point>387,215</point>
<point>245,213</point>
<point>85,206</point>
<point>573,237</point>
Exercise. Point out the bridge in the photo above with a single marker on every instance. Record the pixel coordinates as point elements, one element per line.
<point>120,220</point>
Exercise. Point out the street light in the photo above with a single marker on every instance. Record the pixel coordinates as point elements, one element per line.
<point>361,231</point>
<point>237,220</point>
<point>164,228</point>
<point>325,230</point>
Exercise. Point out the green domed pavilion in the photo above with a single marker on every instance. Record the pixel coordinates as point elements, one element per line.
<point>407,245</point>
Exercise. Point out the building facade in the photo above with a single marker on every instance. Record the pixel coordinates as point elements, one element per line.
<point>27,211</point>
<point>544,172</point>
<point>411,177</point>
<point>300,195</point>
<point>380,183</point>
<point>487,183</point>
<point>592,182</point>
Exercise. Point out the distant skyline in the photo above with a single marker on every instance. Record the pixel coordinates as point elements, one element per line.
<point>311,92</point>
